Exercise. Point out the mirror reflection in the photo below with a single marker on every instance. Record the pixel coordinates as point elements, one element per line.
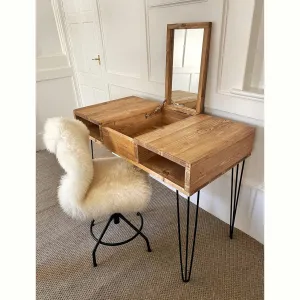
<point>186,66</point>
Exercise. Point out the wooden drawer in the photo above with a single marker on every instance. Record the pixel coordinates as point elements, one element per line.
<point>119,143</point>
<point>168,170</point>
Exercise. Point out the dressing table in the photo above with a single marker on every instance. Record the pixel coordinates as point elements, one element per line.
<point>175,141</point>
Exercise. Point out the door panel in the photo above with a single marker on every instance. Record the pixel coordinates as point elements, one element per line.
<point>86,45</point>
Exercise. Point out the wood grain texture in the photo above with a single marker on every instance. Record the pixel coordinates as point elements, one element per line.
<point>199,105</point>
<point>138,124</point>
<point>169,65</point>
<point>193,138</point>
<point>171,116</point>
<point>119,143</point>
<point>193,25</point>
<point>203,70</point>
<point>94,129</point>
<point>116,110</point>
<point>186,110</point>
<point>167,141</point>
<point>162,166</point>
<point>187,99</point>
<point>131,126</point>
<point>157,174</point>
<point>213,166</point>
<point>187,152</point>
<point>143,154</point>
<point>166,168</point>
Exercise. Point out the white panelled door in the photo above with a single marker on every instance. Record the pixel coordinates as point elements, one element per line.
<point>83,30</point>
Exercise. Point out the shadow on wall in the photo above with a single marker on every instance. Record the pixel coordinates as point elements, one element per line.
<point>101,151</point>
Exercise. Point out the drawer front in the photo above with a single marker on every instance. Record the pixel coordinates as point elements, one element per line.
<point>119,143</point>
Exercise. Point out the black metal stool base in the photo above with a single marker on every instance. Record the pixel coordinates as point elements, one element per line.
<point>186,268</point>
<point>116,218</point>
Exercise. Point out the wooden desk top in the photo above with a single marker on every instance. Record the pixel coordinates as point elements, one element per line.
<point>119,109</point>
<point>187,152</point>
<point>197,137</point>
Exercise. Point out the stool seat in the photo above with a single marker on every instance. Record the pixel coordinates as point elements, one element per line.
<point>92,188</point>
<point>117,187</point>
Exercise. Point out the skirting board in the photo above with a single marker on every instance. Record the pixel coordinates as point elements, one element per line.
<point>215,199</point>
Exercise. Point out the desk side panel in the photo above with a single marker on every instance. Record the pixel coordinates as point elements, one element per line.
<point>211,167</point>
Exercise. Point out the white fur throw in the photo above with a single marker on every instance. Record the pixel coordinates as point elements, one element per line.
<point>93,188</point>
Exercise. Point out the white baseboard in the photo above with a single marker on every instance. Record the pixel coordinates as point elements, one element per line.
<point>215,199</point>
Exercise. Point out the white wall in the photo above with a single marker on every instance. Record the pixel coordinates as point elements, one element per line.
<point>132,43</point>
<point>55,91</point>
<point>47,39</point>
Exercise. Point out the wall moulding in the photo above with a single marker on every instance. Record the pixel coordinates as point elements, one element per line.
<point>154,7</point>
<point>236,87</point>
<point>60,18</point>
<point>50,62</point>
<point>247,94</point>
<point>134,92</point>
<point>164,3</point>
<point>108,47</point>
<point>54,73</point>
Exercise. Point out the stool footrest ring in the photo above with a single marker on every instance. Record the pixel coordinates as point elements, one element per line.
<point>118,243</point>
<point>115,217</point>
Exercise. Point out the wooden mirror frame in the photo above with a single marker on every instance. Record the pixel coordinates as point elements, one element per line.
<point>203,67</point>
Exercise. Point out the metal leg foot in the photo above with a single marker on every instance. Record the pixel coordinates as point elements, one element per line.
<point>235,195</point>
<point>185,269</point>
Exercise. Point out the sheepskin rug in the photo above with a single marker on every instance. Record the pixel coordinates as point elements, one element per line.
<point>92,188</point>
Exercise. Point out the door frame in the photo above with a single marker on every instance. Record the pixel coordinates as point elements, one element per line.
<point>66,45</point>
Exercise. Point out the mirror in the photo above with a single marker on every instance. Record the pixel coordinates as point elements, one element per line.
<point>187,59</point>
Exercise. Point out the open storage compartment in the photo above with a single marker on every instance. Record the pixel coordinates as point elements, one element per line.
<point>161,166</point>
<point>92,127</point>
<point>119,136</point>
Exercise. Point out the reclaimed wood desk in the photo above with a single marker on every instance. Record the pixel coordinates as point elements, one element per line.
<point>185,151</point>
<point>175,141</point>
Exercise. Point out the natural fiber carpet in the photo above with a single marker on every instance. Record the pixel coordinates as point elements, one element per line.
<point>223,268</point>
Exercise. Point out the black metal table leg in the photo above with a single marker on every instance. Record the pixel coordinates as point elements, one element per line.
<point>235,195</point>
<point>92,149</point>
<point>185,269</point>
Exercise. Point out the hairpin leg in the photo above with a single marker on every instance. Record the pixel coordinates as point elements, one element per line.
<point>185,270</point>
<point>235,195</point>
<point>92,149</point>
